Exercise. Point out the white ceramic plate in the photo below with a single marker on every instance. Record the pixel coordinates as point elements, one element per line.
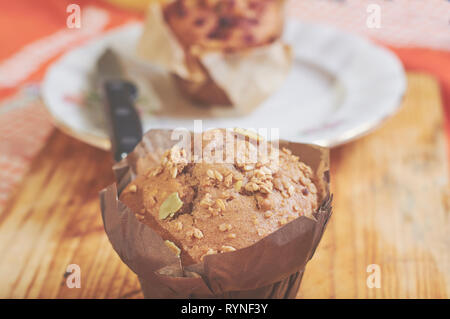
<point>340,87</point>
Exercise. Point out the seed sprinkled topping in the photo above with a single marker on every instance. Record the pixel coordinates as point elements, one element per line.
<point>198,233</point>
<point>226,249</point>
<point>132,188</point>
<point>238,186</point>
<point>268,214</point>
<point>225,227</point>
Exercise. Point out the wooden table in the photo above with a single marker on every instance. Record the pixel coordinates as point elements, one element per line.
<point>391,208</point>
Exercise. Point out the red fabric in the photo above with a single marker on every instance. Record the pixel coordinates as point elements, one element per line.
<point>24,21</point>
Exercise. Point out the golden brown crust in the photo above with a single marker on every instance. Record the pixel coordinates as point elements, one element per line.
<point>226,206</point>
<point>226,25</point>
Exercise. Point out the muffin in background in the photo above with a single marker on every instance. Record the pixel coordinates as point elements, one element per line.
<point>225,25</point>
<point>220,52</point>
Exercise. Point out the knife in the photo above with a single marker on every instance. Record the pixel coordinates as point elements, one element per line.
<point>119,95</point>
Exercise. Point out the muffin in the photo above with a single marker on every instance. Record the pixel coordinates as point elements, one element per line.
<point>237,34</point>
<point>215,206</point>
<point>218,223</point>
<point>226,25</point>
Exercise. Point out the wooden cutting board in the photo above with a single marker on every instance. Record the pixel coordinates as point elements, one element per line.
<point>391,209</point>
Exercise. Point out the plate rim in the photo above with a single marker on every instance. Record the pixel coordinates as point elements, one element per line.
<point>349,135</point>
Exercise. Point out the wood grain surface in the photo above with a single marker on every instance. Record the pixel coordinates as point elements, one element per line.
<point>391,208</point>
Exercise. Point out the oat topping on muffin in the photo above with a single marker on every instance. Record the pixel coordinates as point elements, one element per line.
<point>209,207</point>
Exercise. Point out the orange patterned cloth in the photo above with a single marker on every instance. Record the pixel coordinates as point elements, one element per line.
<point>34,34</point>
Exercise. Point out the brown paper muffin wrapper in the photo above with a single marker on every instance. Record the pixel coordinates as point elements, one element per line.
<point>246,77</point>
<point>271,268</point>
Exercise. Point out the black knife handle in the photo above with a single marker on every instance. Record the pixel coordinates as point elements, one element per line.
<point>124,123</point>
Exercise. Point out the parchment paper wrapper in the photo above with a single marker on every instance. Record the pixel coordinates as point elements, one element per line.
<point>271,268</point>
<point>246,78</point>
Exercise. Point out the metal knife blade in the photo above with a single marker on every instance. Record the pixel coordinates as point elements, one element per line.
<point>119,94</point>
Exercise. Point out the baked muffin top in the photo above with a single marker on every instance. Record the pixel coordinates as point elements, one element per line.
<point>213,207</point>
<point>225,25</point>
